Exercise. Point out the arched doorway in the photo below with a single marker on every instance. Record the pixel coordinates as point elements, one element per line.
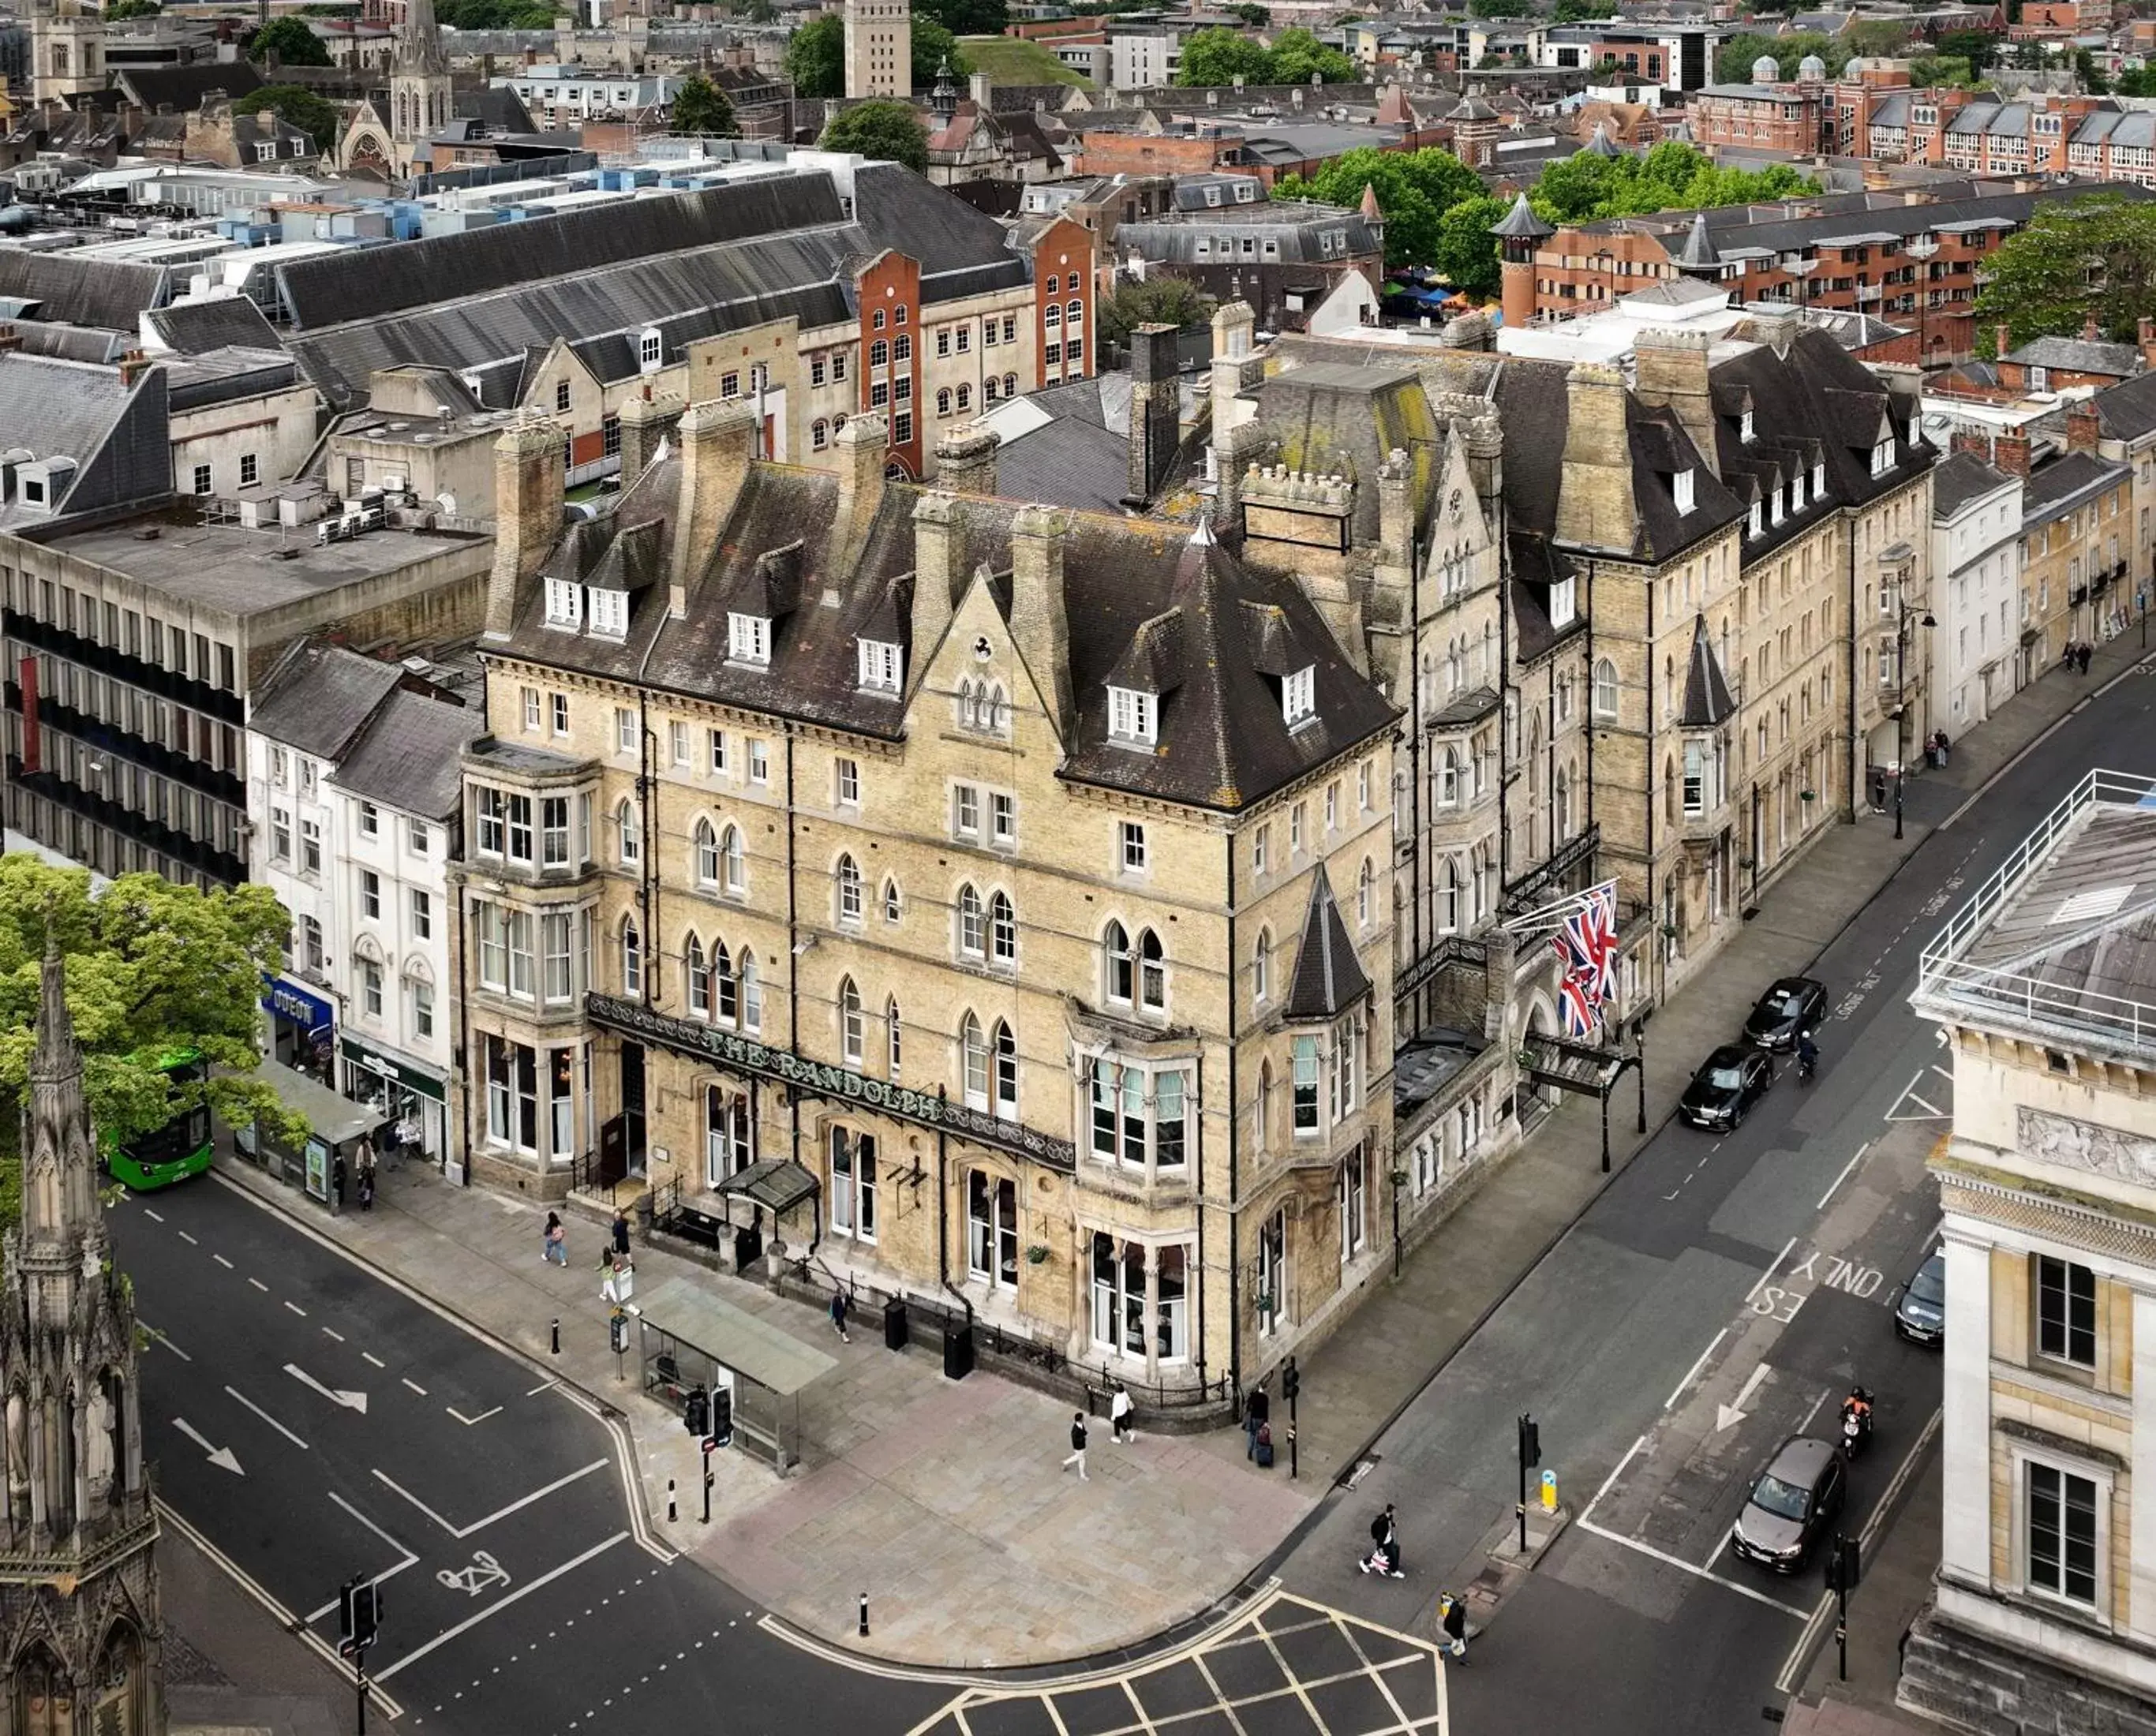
<point>1536,1101</point>
<point>44,1697</point>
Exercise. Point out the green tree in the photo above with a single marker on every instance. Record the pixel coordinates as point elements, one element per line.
<point>701,108</point>
<point>1927,70</point>
<point>1466,252</point>
<point>1414,189</point>
<point>290,41</point>
<point>1979,47</point>
<point>1491,8</point>
<point>890,130</point>
<point>1219,56</point>
<point>1579,11</point>
<point>1297,55</point>
<point>152,967</point>
<point>120,10</point>
<point>816,57</point>
<point>2085,70</point>
<point>965,18</point>
<point>1251,14</point>
<point>933,45</point>
<point>2075,260</point>
<point>1162,300</point>
<point>759,12</point>
<point>1733,65</point>
<point>297,106</point>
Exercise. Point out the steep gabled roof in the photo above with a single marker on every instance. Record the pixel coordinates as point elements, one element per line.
<point>1706,701</point>
<point>1328,977</point>
<point>320,697</point>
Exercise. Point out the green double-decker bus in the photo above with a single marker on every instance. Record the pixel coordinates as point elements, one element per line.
<point>174,1152</point>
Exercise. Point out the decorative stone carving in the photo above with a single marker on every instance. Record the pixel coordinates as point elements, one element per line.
<point>2084,1145</point>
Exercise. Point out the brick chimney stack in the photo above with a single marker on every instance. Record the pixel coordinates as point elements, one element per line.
<point>2084,428</point>
<point>2010,452</point>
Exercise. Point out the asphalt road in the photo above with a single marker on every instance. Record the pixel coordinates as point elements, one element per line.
<point>1721,1295</point>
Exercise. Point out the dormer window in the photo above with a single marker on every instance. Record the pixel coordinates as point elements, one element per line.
<point>1883,457</point>
<point>565,602</point>
<point>610,613</point>
<point>1774,511</point>
<point>1563,605</point>
<point>648,350</point>
<point>1132,717</point>
<point>881,666</point>
<point>1744,430</point>
<point>1757,525</point>
<point>1681,484</point>
<point>1819,481</point>
<point>748,639</point>
<point>1299,697</point>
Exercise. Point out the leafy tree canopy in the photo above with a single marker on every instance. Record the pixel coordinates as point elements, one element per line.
<point>120,10</point>
<point>291,41</point>
<point>1979,47</point>
<point>1157,300</point>
<point>151,968</point>
<point>1576,11</point>
<point>888,129</point>
<point>1466,255</point>
<point>965,18</point>
<point>701,108</point>
<point>1413,189</point>
<point>1220,56</point>
<point>2092,258</point>
<point>297,106</point>
<point>933,45</point>
<point>496,15</point>
<point>816,57</point>
<point>1733,65</point>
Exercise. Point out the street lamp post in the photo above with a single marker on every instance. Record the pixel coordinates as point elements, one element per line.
<point>1902,702</point>
<point>1922,252</point>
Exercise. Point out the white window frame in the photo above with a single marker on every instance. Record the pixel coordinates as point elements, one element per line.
<point>748,639</point>
<point>1299,697</point>
<point>2024,1455</point>
<point>1132,717</point>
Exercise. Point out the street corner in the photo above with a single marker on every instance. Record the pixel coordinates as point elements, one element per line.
<point>1285,1666</point>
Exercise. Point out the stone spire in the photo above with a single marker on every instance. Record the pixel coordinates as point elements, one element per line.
<point>62,1221</point>
<point>419,48</point>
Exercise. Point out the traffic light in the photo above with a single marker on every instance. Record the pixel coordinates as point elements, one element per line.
<point>346,1592</point>
<point>1843,1564</point>
<point>365,1612</point>
<point>1291,1380</point>
<point>1531,1443</point>
<point>722,1414</point>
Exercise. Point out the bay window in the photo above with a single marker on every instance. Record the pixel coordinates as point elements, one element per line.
<point>1141,1298</point>
<point>556,979</point>
<point>1139,1115</point>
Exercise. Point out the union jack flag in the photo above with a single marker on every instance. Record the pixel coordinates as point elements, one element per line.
<point>1576,1000</point>
<point>1590,939</point>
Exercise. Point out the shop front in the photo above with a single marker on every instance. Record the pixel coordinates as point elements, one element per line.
<point>408,1096</point>
<point>302,1026</point>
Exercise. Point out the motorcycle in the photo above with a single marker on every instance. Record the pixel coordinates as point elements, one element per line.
<point>1856,1422</point>
<point>1807,1059</point>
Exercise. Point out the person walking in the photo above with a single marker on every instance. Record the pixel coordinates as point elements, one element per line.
<point>1452,1623</point>
<point>1384,1556</point>
<point>2088,651</point>
<point>1077,1447</point>
<point>1119,1417</point>
<point>839,1306</point>
<point>1257,1411</point>
<point>621,1233</point>
<point>364,1158</point>
<point>554,1240</point>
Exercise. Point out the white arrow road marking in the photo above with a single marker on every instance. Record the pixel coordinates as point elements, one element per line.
<point>220,1456</point>
<point>350,1400</point>
<point>267,1418</point>
<point>469,1421</point>
<point>1727,1416</point>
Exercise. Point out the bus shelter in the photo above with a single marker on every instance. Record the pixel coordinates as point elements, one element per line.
<point>692,1342</point>
<point>335,1127</point>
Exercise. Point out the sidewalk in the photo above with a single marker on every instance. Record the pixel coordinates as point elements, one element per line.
<point>1359,1380</point>
<point>939,1499</point>
<point>942,1500</point>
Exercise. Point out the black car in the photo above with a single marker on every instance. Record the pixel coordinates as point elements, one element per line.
<point>1727,1084</point>
<point>1920,1316</point>
<point>1793,1005</point>
<point>1796,1498</point>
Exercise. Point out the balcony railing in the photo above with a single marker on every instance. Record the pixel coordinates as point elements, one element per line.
<point>151,834</point>
<point>1550,875</point>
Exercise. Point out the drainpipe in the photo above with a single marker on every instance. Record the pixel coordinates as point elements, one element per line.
<point>793,959</point>
<point>1234,1164</point>
<point>464,1000</point>
<point>1856,768</point>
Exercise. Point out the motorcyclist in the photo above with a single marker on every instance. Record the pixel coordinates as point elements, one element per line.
<point>1807,1055</point>
<point>1857,1406</point>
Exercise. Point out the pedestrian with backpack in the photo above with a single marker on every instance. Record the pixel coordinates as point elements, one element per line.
<point>1384,1556</point>
<point>1452,1623</point>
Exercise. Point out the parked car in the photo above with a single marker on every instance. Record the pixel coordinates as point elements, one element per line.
<point>1795,1501</point>
<point>1920,1316</point>
<point>1794,1005</point>
<point>1728,1083</point>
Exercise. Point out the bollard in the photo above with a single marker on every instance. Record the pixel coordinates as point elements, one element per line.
<point>557,1337</point>
<point>865,1614</point>
<point>671,1514</point>
<point>1549,1492</point>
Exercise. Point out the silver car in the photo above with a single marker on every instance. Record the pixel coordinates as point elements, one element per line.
<point>1797,1497</point>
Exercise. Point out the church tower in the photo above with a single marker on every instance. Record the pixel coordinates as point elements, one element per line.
<point>78,1599</point>
<point>879,48</point>
<point>67,51</point>
<point>419,105</point>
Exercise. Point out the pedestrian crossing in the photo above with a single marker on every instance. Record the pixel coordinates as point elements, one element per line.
<point>1287,1667</point>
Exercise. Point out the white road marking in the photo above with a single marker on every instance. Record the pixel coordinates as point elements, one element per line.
<point>1769,1271</point>
<point>329,1333</point>
<point>1684,1566</point>
<point>221,1262</point>
<point>1727,1416</point>
<point>1930,1112</point>
<point>156,1217</point>
<point>415,1386</point>
<point>189,1240</point>
<point>468,1421</point>
<point>220,1456</point>
<point>544,1386</point>
<point>297,1309</point>
<point>1855,1158</point>
<point>158,1338</point>
<point>1814,1411</point>
<point>1693,1373</point>
<point>529,1586</point>
<point>461,1532</point>
<point>1941,1071</point>
<point>259,1285</point>
<point>335,1395</point>
<point>369,1356</point>
<point>406,1557</point>
<point>1616,1471</point>
<point>267,1418</point>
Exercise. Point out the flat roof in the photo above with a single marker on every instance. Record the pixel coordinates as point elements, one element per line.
<point>749,1345</point>
<point>239,571</point>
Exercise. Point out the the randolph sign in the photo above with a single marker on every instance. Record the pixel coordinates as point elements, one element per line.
<point>744,1055</point>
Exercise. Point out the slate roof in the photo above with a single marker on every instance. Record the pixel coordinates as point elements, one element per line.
<point>1223,741</point>
<point>2127,410</point>
<point>2063,482</point>
<point>117,435</point>
<point>185,86</point>
<point>1959,478</point>
<point>1328,977</point>
<point>1348,417</point>
<point>78,291</point>
<point>1520,224</point>
<point>690,263</point>
<point>1708,703</point>
<point>1698,253</point>
<point>319,697</point>
<point>230,322</point>
<point>407,757</point>
<point>2079,355</point>
<point>1071,461</point>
